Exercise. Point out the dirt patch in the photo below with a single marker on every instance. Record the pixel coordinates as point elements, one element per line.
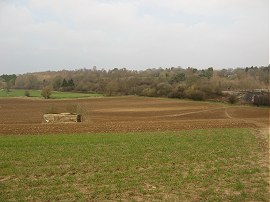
<point>127,114</point>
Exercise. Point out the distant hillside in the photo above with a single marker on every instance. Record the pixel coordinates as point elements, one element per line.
<point>170,82</point>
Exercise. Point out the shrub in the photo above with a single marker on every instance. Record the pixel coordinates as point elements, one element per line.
<point>163,89</point>
<point>195,94</point>
<point>27,93</point>
<point>150,92</point>
<point>177,92</point>
<point>46,92</point>
<point>233,98</point>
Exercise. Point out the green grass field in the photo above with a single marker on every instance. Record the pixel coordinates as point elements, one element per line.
<point>37,94</point>
<point>197,165</point>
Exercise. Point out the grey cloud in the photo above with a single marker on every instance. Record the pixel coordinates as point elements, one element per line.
<point>52,35</point>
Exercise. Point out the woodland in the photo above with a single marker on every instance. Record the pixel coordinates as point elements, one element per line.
<point>174,82</point>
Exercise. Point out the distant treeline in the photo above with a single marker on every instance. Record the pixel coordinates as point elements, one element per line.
<point>174,82</point>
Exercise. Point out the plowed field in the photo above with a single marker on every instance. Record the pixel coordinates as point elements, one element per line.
<point>126,114</point>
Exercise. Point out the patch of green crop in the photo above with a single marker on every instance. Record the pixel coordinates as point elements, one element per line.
<point>61,95</point>
<point>197,165</point>
<point>54,95</point>
<point>19,93</point>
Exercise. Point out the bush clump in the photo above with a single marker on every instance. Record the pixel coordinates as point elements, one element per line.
<point>46,92</point>
<point>233,98</point>
<point>195,94</point>
<point>27,93</point>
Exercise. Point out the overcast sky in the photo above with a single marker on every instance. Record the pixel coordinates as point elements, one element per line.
<point>40,35</point>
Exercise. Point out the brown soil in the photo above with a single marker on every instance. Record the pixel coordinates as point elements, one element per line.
<point>126,114</point>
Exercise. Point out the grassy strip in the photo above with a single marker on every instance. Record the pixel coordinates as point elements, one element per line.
<point>207,165</point>
<point>37,93</point>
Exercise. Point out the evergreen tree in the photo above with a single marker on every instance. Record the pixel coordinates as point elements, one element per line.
<point>64,83</point>
<point>70,83</point>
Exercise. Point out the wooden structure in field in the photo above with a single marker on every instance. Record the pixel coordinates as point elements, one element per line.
<point>62,118</point>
